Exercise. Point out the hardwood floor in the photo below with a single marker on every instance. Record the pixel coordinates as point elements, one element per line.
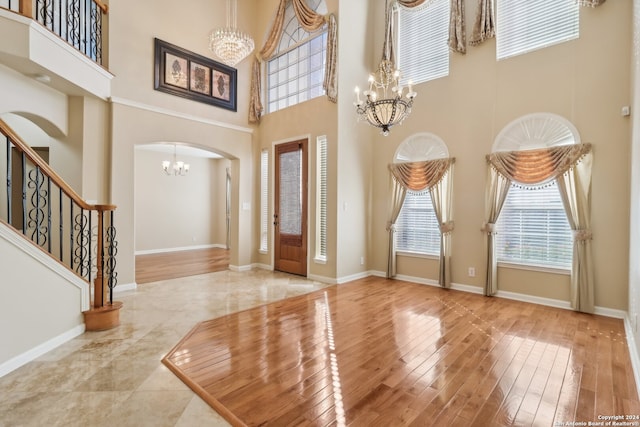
<point>171,265</point>
<point>391,353</point>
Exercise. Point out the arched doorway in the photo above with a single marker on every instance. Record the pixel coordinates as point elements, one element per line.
<point>181,213</point>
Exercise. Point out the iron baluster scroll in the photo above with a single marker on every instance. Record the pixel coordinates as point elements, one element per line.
<point>82,251</point>
<point>36,201</point>
<point>78,22</point>
<point>111,252</point>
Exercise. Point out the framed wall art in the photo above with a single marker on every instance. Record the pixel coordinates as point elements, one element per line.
<point>192,76</point>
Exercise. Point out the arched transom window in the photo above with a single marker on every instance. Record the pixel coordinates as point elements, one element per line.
<point>296,73</point>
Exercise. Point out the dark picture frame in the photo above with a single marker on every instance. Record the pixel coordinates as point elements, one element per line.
<point>189,75</point>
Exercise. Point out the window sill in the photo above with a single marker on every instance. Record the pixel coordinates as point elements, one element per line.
<point>417,255</point>
<point>533,267</point>
<point>320,260</point>
<point>263,252</point>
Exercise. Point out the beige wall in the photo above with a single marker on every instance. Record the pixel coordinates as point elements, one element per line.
<point>177,212</point>
<point>308,120</point>
<point>354,151</point>
<point>134,126</point>
<point>37,305</point>
<point>142,115</point>
<point>96,148</point>
<point>349,193</point>
<point>634,233</point>
<point>36,101</point>
<point>586,81</point>
<point>132,28</point>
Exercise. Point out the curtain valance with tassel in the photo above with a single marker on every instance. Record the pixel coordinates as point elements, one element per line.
<point>537,167</point>
<point>420,176</point>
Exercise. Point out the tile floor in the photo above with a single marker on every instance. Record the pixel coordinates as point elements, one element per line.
<point>115,377</point>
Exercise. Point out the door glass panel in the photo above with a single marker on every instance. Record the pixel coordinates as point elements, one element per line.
<point>291,193</point>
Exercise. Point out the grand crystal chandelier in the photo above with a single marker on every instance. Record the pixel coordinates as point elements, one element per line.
<point>385,103</point>
<point>229,45</point>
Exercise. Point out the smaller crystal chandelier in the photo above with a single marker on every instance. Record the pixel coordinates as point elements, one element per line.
<point>176,168</point>
<point>384,105</point>
<point>229,45</point>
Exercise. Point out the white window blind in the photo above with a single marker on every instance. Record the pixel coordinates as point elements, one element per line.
<point>423,53</point>
<point>264,199</point>
<point>417,226</point>
<point>533,229</point>
<point>526,25</point>
<point>321,205</point>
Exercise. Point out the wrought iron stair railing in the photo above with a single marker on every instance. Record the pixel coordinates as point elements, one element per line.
<point>78,22</point>
<point>41,206</point>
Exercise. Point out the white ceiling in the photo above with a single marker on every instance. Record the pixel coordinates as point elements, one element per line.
<point>181,150</point>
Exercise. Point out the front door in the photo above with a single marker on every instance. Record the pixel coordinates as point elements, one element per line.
<point>290,210</point>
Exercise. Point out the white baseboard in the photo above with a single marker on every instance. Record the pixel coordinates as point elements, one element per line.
<point>125,287</point>
<point>322,279</point>
<point>262,266</point>
<point>549,302</point>
<point>352,277</point>
<point>467,288</point>
<point>610,312</point>
<point>30,355</point>
<point>179,249</point>
<point>633,352</point>
<point>240,268</point>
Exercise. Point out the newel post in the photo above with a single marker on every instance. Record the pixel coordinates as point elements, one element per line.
<point>102,315</point>
<point>26,8</point>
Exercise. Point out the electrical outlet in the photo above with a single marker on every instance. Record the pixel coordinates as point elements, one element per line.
<point>361,260</point>
<point>472,272</point>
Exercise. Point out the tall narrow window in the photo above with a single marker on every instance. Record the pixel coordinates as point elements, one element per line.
<point>526,25</point>
<point>296,73</point>
<point>321,200</point>
<point>423,53</point>
<point>264,200</point>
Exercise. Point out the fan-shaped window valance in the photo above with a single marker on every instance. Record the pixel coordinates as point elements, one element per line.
<point>537,167</point>
<point>420,176</point>
<point>420,162</point>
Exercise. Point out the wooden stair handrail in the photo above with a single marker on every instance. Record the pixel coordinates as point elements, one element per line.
<point>50,173</point>
<point>103,7</point>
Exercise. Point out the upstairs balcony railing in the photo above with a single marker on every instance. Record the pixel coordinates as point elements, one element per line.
<point>37,203</point>
<point>78,22</point>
